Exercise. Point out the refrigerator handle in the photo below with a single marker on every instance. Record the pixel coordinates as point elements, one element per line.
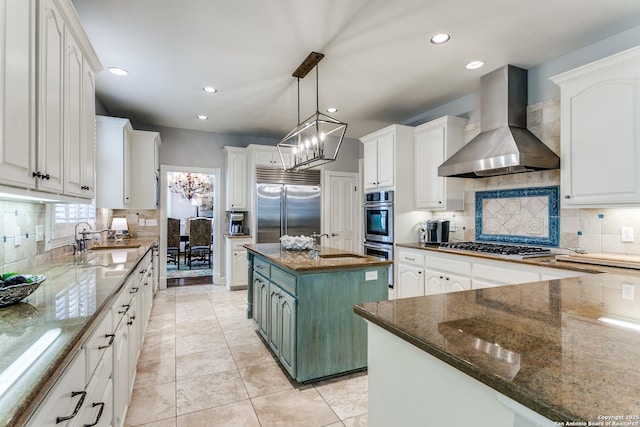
<point>283,212</point>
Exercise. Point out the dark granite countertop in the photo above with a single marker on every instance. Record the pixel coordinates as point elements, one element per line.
<point>547,345</point>
<point>329,259</point>
<point>77,292</point>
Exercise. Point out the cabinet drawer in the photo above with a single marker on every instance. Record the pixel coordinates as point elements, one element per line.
<point>99,342</point>
<point>444,264</point>
<point>410,257</point>
<point>238,244</point>
<point>283,279</point>
<point>262,267</point>
<point>508,276</point>
<point>121,306</point>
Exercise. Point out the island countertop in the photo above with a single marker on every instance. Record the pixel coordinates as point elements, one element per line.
<point>329,259</point>
<point>548,345</point>
<point>76,293</point>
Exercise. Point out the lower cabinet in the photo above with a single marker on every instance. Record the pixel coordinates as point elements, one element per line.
<point>95,388</point>
<point>282,339</point>
<point>411,282</point>
<point>260,303</point>
<point>236,262</point>
<point>442,282</point>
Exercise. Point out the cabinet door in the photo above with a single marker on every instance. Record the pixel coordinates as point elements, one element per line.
<point>370,173</point>
<point>263,298</point>
<point>239,265</point>
<point>88,143</point>
<point>410,281</point>
<point>455,283</point>
<point>601,138</point>
<point>386,160</point>
<point>434,282</point>
<point>121,373</point>
<point>430,150</point>
<point>236,181</point>
<point>51,104</point>
<point>287,331</point>
<point>65,399</point>
<point>73,115</point>
<point>274,314</point>
<point>17,109</point>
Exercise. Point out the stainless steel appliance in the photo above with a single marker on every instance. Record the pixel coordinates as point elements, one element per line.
<point>436,231</point>
<point>287,203</point>
<point>500,249</point>
<point>378,217</point>
<point>236,223</point>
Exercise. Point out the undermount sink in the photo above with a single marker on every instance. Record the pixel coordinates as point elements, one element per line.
<point>113,247</point>
<point>343,255</point>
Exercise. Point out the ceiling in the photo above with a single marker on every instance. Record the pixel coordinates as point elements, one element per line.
<point>379,66</point>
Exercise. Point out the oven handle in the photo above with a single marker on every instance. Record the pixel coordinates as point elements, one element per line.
<point>378,205</point>
<point>377,246</point>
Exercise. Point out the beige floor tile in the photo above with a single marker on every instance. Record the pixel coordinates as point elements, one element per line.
<point>228,323</point>
<point>264,379</point>
<point>158,350</point>
<point>197,327</point>
<point>168,317</point>
<point>170,422</point>
<point>204,363</point>
<point>251,354</point>
<point>236,337</point>
<point>158,334</point>
<point>239,414</point>
<point>153,403</point>
<point>161,307</point>
<point>156,372</point>
<point>293,408</point>
<point>359,421</point>
<point>209,391</point>
<point>198,343</point>
<point>347,396</point>
<point>195,316</point>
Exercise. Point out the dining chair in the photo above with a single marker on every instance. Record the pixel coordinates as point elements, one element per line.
<point>173,241</point>
<point>199,241</point>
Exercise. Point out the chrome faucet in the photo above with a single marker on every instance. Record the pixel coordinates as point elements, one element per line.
<point>315,251</point>
<point>80,244</point>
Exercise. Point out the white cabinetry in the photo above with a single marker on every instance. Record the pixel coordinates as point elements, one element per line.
<point>269,156</point>
<point>236,262</point>
<point>144,175</point>
<point>600,119</point>
<point>411,282</point>
<point>113,179</point>
<point>435,142</point>
<point>382,150</point>
<point>444,275</point>
<point>44,43</point>
<point>17,86</point>
<point>237,176</point>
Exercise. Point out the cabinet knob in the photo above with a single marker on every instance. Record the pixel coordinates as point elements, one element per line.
<point>439,202</point>
<point>442,277</point>
<point>47,177</point>
<point>36,174</point>
<point>566,196</point>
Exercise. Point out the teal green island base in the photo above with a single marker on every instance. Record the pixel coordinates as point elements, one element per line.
<point>303,308</point>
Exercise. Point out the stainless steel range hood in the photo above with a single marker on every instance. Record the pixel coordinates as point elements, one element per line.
<point>504,145</point>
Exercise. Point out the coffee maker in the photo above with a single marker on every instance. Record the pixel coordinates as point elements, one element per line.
<point>436,231</point>
<point>236,223</point>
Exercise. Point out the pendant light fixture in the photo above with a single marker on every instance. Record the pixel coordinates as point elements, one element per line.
<point>316,140</point>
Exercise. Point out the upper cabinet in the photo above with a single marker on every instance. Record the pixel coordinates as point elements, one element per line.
<point>266,155</point>
<point>600,120</point>
<point>144,150</point>
<point>382,150</point>
<point>435,142</point>
<point>237,175</point>
<point>17,89</point>
<point>48,67</point>
<point>127,165</point>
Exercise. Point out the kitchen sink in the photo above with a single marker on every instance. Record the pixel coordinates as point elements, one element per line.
<point>343,256</point>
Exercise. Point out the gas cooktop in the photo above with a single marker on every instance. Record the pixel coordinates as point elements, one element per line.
<point>500,249</point>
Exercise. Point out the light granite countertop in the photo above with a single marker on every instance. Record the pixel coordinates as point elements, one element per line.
<point>559,356</point>
<point>329,259</point>
<point>77,292</point>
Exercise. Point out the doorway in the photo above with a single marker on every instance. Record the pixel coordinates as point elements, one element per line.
<point>174,204</point>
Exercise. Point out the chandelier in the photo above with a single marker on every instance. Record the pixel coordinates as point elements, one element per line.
<point>317,139</point>
<point>189,185</point>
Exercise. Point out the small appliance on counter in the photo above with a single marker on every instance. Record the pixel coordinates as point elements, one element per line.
<point>236,223</point>
<point>435,231</point>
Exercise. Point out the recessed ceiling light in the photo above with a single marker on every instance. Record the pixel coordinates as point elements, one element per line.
<point>202,117</point>
<point>332,110</point>
<point>440,38</point>
<point>209,89</point>
<point>118,71</point>
<point>474,65</point>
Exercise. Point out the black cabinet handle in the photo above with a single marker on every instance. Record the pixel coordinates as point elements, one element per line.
<point>101,404</point>
<point>111,338</point>
<point>566,196</point>
<point>47,177</point>
<point>36,174</point>
<point>126,308</point>
<point>133,290</point>
<point>78,406</point>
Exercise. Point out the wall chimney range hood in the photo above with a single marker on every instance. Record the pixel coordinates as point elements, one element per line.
<point>504,145</point>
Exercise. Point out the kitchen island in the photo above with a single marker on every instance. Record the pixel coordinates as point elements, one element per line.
<point>558,352</point>
<point>303,306</point>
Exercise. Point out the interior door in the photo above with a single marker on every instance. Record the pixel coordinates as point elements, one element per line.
<point>342,211</point>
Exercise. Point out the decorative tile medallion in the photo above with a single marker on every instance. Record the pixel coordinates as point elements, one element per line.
<point>528,216</point>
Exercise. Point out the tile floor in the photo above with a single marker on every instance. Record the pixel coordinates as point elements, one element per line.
<point>202,364</point>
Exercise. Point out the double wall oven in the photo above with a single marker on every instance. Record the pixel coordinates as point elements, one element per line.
<point>378,226</point>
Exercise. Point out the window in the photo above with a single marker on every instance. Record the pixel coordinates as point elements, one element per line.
<point>63,217</point>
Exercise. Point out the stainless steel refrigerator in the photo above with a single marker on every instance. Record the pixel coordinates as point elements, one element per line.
<point>287,204</point>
